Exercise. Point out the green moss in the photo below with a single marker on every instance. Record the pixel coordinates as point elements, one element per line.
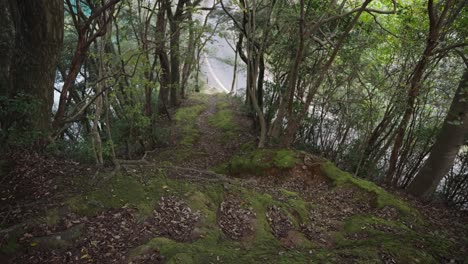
<point>284,159</point>
<point>257,161</point>
<point>383,198</point>
<point>207,207</point>
<point>248,146</point>
<point>298,210</point>
<point>215,247</point>
<point>259,203</point>
<point>181,258</point>
<point>79,205</point>
<point>394,238</point>
<point>119,191</point>
<point>357,223</point>
<point>186,120</point>
<point>399,247</point>
<point>10,247</point>
<point>51,217</point>
<point>224,120</point>
<point>289,194</point>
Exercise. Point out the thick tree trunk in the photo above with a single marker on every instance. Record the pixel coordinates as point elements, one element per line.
<point>31,35</point>
<point>447,145</point>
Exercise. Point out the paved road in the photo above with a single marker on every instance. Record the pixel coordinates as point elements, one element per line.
<point>215,69</point>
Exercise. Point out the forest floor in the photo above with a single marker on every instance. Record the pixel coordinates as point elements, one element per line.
<point>212,197</point>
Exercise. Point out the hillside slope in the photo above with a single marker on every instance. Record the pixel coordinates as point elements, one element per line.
<point>211,197</point>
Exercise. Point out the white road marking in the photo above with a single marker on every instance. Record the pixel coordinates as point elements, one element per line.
<point>214,75</point>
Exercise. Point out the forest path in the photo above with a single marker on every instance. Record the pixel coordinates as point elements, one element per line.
<point>221,128</point>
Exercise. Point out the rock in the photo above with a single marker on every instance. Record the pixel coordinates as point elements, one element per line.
<point>196,234</point>
<point>62,239</point>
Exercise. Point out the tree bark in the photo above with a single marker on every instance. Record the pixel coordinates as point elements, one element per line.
<point>234,74</point>
<point>414,83</point>
<point>31,36</point>
<point>190,55</point>
<point>447,145</point>
<point>174,27</point>
<point>165,74</point>
<point>175,63</point>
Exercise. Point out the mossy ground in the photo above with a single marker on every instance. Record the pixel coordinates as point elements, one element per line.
<point>186,120</point>
<point>256,162</point>
<point>383,197</point>
<point>224,119</point>
<point>362,238</point>
<point>215,246</point>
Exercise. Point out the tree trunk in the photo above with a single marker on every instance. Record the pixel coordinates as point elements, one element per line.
<point>31,36</point>
<point>190,56</point>
<point>234,74</point>
<point>165,82</point>
<point>447,145</point>
<point>165,74</point>
<point>414,86</point>
<point>175,62</point>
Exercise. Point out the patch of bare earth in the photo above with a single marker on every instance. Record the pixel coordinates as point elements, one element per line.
<point>106,238</point>
<point>331,206</point>
<point>279,222</point>
<point>173,219</point>
<point>109,236</point>
<point>31,185</point>
<point>236,219</point>
<point>330,209</point>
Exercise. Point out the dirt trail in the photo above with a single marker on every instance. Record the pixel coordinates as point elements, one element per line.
<point>212,148</point>
<point>208,143</point>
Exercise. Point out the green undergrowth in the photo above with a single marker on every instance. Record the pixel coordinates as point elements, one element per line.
<point>256,162</point>
<point>186,118</point>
